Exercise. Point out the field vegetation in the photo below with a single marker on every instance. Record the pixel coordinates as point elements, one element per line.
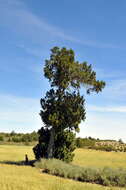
<point>106,176</point>
<point>18,138</point>
<point>99,159</point>
<point>28,178</point>
<point>86,143</point>
<point>14,177</point>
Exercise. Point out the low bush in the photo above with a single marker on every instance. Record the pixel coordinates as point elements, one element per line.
<point>19,137</point>
<point>16,139</point>
<point>104,145</point>
<point>1,138</point>
<point>106,176</point>
<point>105,148</point>
<point>85,142</point>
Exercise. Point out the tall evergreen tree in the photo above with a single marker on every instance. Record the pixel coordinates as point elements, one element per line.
<point>63,106</point>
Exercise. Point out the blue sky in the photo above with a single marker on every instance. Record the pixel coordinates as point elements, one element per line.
<point>95,30</point>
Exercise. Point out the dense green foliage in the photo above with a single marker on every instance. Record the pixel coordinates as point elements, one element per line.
<point>85,142</point>
<point>104,145</point>
<point>64,144</point>
<point>106,176</point>
<point>63,106</point>
<point>1,138</point>
<point>19,137</point>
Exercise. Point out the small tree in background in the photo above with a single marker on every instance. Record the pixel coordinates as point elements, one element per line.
<point>63,106</point>
<point>1,138</point>
<point>120,141</point>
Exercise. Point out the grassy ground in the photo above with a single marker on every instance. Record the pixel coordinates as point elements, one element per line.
<point>94,158</point>
<point>15,153</point>
<point>14,177</point>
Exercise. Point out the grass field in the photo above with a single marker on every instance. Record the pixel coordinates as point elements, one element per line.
<point>14,177</point>
<point>95,158</point>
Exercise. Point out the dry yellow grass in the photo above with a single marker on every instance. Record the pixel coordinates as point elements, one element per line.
<point>94,158</point>
<point>27,178</point>
<point>15,153</point>
<point>14,177</point>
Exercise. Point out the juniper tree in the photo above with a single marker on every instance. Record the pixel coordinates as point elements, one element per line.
<point>63,107</point>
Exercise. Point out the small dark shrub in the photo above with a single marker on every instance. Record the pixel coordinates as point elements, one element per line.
<point>1,138</point>
<point>16,139</point>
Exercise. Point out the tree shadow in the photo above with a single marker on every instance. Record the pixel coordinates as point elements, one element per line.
<point>19,163</point>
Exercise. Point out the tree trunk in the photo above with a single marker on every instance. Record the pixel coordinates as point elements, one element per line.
<point>50,149</point>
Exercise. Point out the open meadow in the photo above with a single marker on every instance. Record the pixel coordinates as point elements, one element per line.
<point>99,159</point>
<point>14,177</point>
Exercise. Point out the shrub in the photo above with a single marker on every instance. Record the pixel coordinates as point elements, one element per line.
<point>26,138</point>
<point>16,139</point>
<point>85,142</point>
<point>64,143</point>
<point>106,176</point>
<point>107,148</point>
<point>1,138</point>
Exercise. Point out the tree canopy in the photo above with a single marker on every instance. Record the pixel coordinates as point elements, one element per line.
<point>64,72</point>
<point>63,106</point>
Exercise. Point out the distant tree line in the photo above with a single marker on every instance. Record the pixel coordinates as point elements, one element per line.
<point>88,142</point>
<point>19,137</point>
<point>104,145</point>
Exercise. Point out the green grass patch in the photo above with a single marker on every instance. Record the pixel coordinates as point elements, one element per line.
<point>106,176</point>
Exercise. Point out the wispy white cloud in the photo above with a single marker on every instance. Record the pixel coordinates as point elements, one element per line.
<point>114,92</point>
<point>37,52</point>
<point>15,3</point>
<point>18,113</point>
<point>22,114</point>
<point>19,18</point>
<point>104,125</point>
<point>115,89</point>
<point>108,74</point>
<point>118,109</point>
